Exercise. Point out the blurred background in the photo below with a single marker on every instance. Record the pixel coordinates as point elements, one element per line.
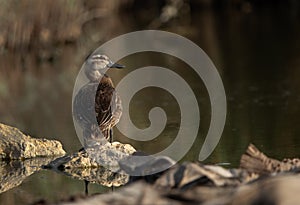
<point>254,44</point>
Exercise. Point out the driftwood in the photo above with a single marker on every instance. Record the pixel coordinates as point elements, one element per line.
<point>257,162</point>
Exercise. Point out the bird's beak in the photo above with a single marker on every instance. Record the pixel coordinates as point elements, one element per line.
<point>115,65</point>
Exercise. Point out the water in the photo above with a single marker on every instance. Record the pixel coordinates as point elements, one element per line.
<point>256,54</point>
<point>47,185</point>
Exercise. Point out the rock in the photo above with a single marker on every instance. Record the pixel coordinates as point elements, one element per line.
<point>137,193</point>
<point>139,166</point>
<point>16,145</point>
<point>107,155</point>
<point>80,166</point>
<point>281,189</point>
<point>97,164</point>
<point>99,175</point>
<point>13,173</point>
<point>143,165</point>
<point>110,154</point>
<point>190,174</point>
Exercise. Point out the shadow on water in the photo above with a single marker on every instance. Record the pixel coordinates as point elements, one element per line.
<point>256,51</point>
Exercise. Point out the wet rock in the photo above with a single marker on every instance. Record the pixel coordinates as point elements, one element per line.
<point>80,166</point>
<point>99,175</point>
<point>142,165</point>
<point>13,173</point>
<point>190,174</point>
<point>203,195</point>
<point>282,189</point>
<point>97,164</point>
<point>16,145</point>
<point>270,190</point>
<point>137,193</point>
<point>108,155</point>
<point>139,166</point>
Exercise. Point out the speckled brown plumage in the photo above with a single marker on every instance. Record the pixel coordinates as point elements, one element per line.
<point>107,106</point>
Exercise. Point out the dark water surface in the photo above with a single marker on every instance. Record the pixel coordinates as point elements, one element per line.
<point>257,55</point>
<point>47,185</point>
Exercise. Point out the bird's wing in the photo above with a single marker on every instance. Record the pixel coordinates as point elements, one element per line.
<point>84,105</point>
<point>103,103</point>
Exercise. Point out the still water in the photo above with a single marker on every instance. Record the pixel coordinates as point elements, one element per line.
<point>256,54</point>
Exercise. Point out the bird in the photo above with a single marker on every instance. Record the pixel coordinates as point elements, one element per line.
<point>97,104</point>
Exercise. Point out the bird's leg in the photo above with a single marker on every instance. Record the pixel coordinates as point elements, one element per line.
<point>86,187</point>
<point>110,135</point>
<point>81,149</point>
<point>111,140</point>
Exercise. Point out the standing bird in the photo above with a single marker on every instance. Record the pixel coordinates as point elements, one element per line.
<point>97,105</point>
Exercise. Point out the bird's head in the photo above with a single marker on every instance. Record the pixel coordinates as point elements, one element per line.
<point>97,65</point>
